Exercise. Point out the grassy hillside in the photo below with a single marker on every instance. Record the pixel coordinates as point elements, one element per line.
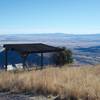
<point>82,83</point>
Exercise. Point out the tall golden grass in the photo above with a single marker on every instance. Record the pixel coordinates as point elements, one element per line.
<point>80,82</point>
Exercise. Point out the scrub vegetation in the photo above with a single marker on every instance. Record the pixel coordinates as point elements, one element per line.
<point>69,83</point>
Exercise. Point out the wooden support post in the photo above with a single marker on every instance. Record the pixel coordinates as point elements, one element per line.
<point>24,56</point>
<point>41,60</point>
<point>24,60</point>
<point>6,61</point>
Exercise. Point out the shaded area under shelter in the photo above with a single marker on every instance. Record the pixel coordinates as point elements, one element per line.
<point>25,49</point>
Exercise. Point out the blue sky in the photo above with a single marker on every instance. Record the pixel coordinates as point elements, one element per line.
<point>49,16</point>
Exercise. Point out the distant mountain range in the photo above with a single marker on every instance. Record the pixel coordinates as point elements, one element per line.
<point>52,36</point>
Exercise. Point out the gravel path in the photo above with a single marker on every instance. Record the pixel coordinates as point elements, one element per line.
<point>9,96</point>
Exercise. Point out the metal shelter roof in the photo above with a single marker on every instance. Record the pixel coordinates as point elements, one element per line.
<point>32,48</point>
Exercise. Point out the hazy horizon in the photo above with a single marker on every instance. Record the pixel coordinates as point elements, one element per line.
<point>57,33</point>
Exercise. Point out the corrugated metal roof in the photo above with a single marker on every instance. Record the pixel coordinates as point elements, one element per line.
<point>32,48</point>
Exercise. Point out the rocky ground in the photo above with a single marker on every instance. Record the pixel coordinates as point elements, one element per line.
<point>9,96</point>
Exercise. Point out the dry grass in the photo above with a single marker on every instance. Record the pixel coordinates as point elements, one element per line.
<point>80,82</point>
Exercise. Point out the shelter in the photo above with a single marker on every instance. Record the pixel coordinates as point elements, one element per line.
<point>25,49</point>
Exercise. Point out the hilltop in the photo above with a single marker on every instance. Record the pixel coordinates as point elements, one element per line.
<point>66,83</point>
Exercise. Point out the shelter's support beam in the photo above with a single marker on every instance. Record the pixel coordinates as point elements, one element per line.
<point>24,62</point>
<point>41,60</point>
<point>24,56</point>
<point>6,60</point>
